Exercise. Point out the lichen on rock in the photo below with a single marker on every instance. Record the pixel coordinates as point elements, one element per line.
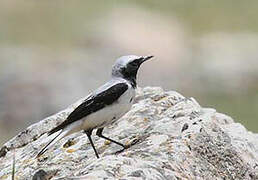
<point>173,136</point>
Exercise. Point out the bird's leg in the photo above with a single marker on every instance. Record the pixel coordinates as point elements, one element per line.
<point>99,133</point>
<point>89,132</point>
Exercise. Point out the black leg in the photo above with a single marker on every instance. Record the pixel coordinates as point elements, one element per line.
<point>99,133</point>
<point>89,132</point>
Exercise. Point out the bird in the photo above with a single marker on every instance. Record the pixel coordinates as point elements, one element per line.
<point>103,106</point>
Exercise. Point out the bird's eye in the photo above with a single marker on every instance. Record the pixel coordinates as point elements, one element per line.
<point>134,63</point>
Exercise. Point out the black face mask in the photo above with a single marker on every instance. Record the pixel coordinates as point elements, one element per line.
<point>130,71</point>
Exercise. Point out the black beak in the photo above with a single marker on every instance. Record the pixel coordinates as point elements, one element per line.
<point>145,58</point>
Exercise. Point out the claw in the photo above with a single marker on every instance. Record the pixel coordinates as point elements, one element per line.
<point>126,146</point>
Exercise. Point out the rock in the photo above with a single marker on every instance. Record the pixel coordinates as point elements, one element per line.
<point>40,175</point>
<point>175,138</point>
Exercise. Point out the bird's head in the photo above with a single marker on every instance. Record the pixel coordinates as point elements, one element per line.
<point>127,66</point>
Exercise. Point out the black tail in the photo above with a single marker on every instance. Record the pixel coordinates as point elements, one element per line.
<point>45,148</point>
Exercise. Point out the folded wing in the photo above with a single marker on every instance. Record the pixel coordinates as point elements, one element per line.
<point>92,104</point>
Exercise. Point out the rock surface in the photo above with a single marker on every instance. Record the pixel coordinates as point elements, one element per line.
<point>176,139</point>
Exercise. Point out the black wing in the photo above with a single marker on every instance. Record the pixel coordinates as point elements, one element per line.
<point>93,104</point>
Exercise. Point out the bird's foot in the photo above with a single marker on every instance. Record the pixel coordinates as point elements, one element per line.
<point>128,145</point>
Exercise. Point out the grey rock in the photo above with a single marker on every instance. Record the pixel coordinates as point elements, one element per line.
<point>40,175</point>
<point>211,145</point>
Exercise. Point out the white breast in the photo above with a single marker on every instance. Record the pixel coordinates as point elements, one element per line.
<point>110,113</point>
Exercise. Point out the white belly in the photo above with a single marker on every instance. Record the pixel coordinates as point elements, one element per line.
<point>110,113</point>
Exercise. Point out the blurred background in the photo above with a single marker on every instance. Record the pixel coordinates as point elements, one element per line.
<point>53,53</point>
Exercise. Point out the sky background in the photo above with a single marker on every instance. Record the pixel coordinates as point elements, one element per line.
<point>53,53</point>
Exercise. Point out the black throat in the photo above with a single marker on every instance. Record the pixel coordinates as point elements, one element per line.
<point>130,75</point>
<point>132,82</point>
